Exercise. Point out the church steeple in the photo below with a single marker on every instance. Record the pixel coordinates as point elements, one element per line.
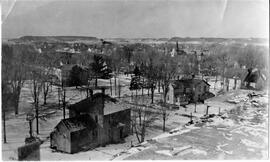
<point>177,47</point>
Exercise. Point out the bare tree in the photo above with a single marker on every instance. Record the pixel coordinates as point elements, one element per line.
<point>146,117</point>
<point>16,60</point>
<point>36,89</point>
<point>6,99</point>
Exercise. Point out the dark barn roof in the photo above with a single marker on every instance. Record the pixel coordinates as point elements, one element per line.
<point>79,123</point>
<point>85,105</point>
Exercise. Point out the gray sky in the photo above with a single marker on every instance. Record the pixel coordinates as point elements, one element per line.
<point>134,19</point>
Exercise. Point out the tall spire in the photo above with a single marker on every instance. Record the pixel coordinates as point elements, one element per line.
<point>177,48</point>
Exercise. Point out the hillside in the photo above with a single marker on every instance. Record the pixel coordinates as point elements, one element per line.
<point>54,38</point>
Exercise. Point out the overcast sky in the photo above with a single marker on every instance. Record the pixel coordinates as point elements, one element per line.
<point>134,19</point>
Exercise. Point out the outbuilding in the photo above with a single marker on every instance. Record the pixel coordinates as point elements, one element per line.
<point>74,134</point>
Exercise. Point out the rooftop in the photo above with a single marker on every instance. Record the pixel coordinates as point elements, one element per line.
<point>79,123</point>
<point>112,105</point>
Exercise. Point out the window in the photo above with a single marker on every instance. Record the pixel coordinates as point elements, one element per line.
<point>204,88</point>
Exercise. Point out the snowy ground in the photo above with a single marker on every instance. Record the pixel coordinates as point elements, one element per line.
<point>17,126</point>
<point>241,134</point>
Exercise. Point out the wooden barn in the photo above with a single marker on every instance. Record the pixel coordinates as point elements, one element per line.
<point>74,134</point>
<point>110,123</point>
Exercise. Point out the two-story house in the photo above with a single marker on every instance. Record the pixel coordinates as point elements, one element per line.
<point>184,91</point>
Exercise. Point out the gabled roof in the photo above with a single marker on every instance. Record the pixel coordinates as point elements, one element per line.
<point>85,105</point>
<point>79,123</point>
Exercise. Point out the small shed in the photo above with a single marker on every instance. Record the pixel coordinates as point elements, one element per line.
<point>74,134</point>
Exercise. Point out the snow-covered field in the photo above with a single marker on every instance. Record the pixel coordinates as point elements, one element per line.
<point>238,133</point>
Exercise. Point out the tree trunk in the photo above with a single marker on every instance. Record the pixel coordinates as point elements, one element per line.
<point>235,83</point>
<point>37,113</point>
<point>45,100</point>
<point>45,92</point>
<point>143,133</point>
<point>164,97</point>
<point>64,104</point>
<point>17,98</point>
<point>137,135</point>
<point>115,93</point>
<point>142,85</point>
<point>140,117</point>
<point>119,88</point>
<point>4,125</point>
<point>59,97</point>
<point>111,86</point>
<point>215,82</point>
<point>16,104</point>
<point>158,86</point>
<point>96,82</point>
<point>227,84</point>
<point>164,119</point>
<point>152,95</point>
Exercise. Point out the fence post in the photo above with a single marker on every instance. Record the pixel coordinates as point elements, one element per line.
<point>207,109</point>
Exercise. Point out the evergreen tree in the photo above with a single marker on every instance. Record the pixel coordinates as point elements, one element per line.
<point>75,76</point>
<point>100,68</point>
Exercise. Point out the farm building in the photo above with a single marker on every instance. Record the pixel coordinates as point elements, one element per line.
<point>184,91</point>
<point>111,118</point>
<point>72,134</point>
